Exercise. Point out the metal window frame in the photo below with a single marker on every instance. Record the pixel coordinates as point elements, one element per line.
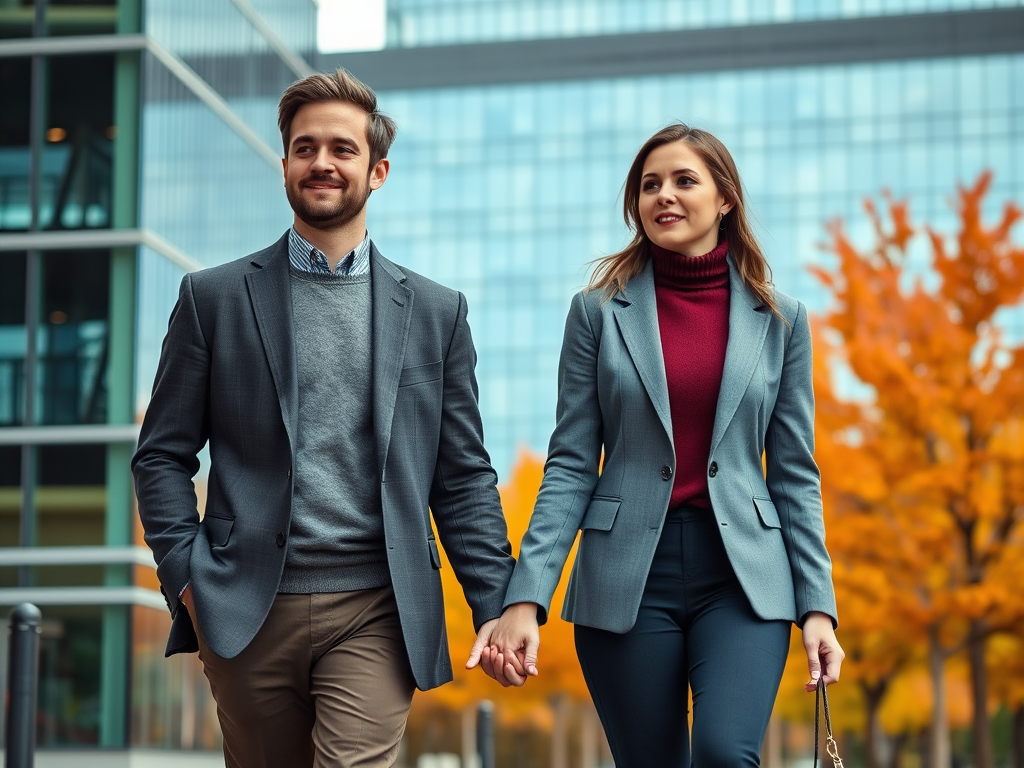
<point>85,44</point>
<point>98,596</point>
<point>14,556</point>
<point>712,49</point>
<point>77,434</point>
<point>298,65</point>
<point>22,557</point>
<point>98,238</point>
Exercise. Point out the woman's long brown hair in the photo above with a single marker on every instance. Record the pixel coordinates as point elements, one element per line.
<point>611,273</point>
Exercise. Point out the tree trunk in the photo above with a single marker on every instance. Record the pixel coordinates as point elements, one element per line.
<point>589,738</point>
<point>560,732</point>
<point>979,693</point>
<point>895,757</point>
<point>606,751</point>
<point>938,736</point>
<point>873,735</point>
<point>470,756</point>
<point>1018,737</point>
<point>771,750</point>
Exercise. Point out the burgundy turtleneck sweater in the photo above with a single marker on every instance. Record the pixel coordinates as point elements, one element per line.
<point>693,315</point>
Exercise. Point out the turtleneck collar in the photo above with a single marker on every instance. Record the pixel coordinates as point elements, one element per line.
<point>690,273</point>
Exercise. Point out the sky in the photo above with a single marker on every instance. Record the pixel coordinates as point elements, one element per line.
<point>351,25</point>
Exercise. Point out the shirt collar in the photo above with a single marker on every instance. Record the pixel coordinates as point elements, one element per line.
<point>307,258</point>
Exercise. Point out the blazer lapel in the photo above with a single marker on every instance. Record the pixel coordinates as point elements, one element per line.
<point>271,297</point>
<point>637,319</point>
<point>392,311</point>
<point>748,326</point>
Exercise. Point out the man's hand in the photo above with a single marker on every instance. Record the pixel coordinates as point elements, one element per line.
<point>483,639</point>
<point>822,648</point>
<point>186,600</point>
<point>508,653</point>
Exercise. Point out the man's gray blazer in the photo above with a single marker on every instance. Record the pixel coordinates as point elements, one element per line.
<point>613,397</point>
<point>227,376</point>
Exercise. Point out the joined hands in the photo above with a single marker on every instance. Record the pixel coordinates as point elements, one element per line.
<point>506,648</point>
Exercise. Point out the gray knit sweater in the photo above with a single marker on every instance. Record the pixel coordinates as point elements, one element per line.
<point>336,542</point>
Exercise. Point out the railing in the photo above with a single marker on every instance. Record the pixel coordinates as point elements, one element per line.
<point>15,557</point>
<point>72,388</point>
<point>12,386</point>
<point>76,185</point>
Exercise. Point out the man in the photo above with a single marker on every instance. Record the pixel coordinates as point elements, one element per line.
<point>337,394</point>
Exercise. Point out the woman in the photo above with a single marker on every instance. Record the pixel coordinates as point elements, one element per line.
<point>681,367</point>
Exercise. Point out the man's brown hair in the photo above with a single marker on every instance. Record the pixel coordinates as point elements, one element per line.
<point>344,87</point>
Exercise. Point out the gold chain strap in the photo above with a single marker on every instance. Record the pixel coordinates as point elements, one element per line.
<point>830,743</point>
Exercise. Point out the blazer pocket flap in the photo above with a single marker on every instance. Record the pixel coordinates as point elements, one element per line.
<point>600,514</point>
<point>767,512</point>
<point>418,374</point>
<point>218,530</point>
<point>435,556</point>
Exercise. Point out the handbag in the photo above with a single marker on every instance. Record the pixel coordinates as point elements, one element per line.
<point>830,743</point>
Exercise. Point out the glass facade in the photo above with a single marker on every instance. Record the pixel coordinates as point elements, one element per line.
<point>13,338</point>
<point>76,164</point>
<point>15,84</point>
<point>449,22</point>
<point>158,290</point>
<point>203,188</point>
<point>221,45</point>
<point>73,338</point>
<point>62,17</point>
<point>101,155</point>
<point>507,192</point>
<point>69,665</point>
<point>171,706</point>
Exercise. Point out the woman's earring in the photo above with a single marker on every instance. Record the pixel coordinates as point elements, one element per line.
<point>721,220</point>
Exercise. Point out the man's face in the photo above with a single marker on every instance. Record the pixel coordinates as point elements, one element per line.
<point>327,173</point>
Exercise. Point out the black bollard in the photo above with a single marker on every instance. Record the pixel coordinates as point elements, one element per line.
<point>22,684</point>
<point>485,733</point>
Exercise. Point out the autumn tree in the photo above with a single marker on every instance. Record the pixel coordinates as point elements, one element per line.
<point>543,700</point>
<point>919,443</point>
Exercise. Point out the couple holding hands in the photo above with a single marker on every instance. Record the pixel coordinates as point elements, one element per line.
<point>337,394</point>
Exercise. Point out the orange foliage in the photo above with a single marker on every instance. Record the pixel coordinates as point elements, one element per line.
<point>920,441</point>
<point>559,670</point>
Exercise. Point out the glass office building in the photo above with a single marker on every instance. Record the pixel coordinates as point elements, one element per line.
<point>518,121</point>
<point>138,141</point>
<point>125,150</point>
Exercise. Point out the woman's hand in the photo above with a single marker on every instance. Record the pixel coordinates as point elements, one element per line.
<point>507,649</point>
<point>822,649</point>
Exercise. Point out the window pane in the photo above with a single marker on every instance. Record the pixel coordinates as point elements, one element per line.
<point>63,17</point>
<point>73,338</point>
<point>77,156</point>
<point>12,337</point>
<point>69,676</point>
<point>10,506</point>
<point>171,703</point>
<point>15,87</point>
<point>78,133</point>
<point>68,704</point>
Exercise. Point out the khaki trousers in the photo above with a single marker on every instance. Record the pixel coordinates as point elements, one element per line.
<point>325,683</point>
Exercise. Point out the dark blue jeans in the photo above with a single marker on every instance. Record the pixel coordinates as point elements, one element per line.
<point>695,630</point>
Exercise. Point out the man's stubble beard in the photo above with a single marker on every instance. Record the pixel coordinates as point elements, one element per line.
<point>325,216</point>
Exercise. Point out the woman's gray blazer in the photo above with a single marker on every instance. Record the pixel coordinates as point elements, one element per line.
<point>612,395</point>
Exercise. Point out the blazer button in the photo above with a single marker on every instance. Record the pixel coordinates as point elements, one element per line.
<point>666,472</point>
<point>713,469</point>
<point>280,539</point>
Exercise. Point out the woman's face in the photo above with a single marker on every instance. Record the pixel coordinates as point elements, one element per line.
<point>679,200</point>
